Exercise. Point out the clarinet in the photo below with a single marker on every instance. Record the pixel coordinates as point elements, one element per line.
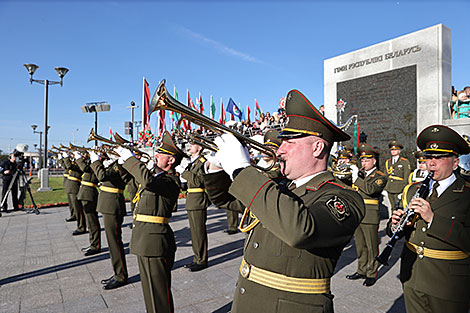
<point>409,216</point>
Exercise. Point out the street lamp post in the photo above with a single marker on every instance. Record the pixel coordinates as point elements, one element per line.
<point>40,143</point>
<point>95,107</point>
<point>132,107</point>
<point>61,71</point>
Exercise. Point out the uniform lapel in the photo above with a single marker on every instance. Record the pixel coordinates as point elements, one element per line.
<point>451,194</point>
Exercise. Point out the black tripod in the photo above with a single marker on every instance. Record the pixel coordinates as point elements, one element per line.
<point>20,174</point>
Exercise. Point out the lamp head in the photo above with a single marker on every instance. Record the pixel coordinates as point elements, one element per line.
<point>34,127</point>
<point>31,69</point>
<point>61,71</point>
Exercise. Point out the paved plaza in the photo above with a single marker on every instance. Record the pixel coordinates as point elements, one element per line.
<point>42,269</point>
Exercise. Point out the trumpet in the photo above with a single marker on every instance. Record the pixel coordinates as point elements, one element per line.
<point>195,138</point>
<point>92,136</point>
<point>162,100</point>
<point>103,149</point>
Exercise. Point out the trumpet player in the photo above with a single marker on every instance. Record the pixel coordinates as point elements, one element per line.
<point>152,238</point>
<point>435,260</point>
<point>72,187</point>
<point>369,182</point>
<point>88,195</point>
<point>111,204</point>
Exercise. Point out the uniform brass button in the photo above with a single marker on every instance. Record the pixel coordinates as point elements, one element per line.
<point>421,256</point>
<point>423,229</point>
<point>255,245</point>
<point>245,271</point>
<point>422,243</point>
<point>242,290</point>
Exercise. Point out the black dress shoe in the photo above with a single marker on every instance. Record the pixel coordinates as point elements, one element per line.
<point>189,265</point>
<point>107,280</point>
<point>77,232</point>
<point>355,276</point>
<point>197,267</point>
<point>369,281</point>
<point>91,252</point>
<point>230,232</point>
<point>70,219</point>
<point>113,284</point>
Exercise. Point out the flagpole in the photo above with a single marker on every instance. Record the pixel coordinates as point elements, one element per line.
<point>143,104</point>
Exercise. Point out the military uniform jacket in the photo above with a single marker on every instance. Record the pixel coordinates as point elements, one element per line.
<point>194,176</point>
<point>450,231</point>
<point>370,188</point>
<point>301,234</point>
<point>132,187</point>
<point>86,192</point>
<point>397,174</point>
<point>113,177</point>
<point>72,185</point>
<point>158,198</point>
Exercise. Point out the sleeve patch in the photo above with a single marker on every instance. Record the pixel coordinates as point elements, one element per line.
<point>379,182</point>
<point>338,208</point>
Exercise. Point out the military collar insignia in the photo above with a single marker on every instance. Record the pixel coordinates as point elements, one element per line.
<point>338,208</point>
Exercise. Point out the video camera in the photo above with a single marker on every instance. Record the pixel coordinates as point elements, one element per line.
<point>20,158</point>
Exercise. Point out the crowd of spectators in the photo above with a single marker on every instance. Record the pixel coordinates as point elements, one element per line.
<point>459,107</point>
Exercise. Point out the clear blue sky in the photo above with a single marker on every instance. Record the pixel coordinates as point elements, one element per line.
<point>244,50</point>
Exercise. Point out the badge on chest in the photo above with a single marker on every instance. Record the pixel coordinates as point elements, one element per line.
<point>338,208</point>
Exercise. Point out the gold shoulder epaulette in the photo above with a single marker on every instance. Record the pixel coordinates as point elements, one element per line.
<point>380,173</point>
<point>202,159</point>
<point>405,159</point>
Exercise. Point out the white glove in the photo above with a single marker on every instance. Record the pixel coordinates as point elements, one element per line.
<point>107,163</point>
<point>124,154</point>
<point>59,156</point>
<point>77,155</point>
<point>213,160</point>
<point>354,172</point>
<point>179,169</point>
<point>93,156</point>
<point>65,154</point>
<point>232,154</point>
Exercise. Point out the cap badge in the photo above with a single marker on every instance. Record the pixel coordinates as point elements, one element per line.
<point>435,130</point>
<point>434,146</point>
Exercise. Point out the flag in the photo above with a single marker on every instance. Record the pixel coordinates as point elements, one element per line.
<point>187,125</point>
<point>162,127</point>
<point>199,102</point>
<point>145,104</point>
<point>356,136</point>
<point>212,108</point>
<point>222,113</point>
<point>257,110</point>
<point>282,103</point>
<point>234,109</point>
<point>110,134</point>
<point>191,104</point>
<point>248,112</point>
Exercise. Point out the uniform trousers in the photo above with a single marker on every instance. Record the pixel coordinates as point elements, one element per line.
<point>366,238</point>
<point>93,224</point>
<point>155,275</point>
<point>197,226</point>
<point>419,302</point>
<point>232,220</point>
<point>112,228</point>
<point>78,211</point>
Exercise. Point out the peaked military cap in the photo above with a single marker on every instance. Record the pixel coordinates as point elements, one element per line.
<point>366,151</point>
<point>439,141</point>
<point>271,138</point>
<point>419,155</point>
<point>167,146</point>
<point>344,154</point>
<point>304,119</point>
<point>395,145</point>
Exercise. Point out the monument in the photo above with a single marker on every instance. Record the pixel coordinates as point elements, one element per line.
<point>396,88</point>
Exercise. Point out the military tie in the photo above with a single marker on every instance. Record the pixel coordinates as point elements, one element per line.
<point>433,195</point>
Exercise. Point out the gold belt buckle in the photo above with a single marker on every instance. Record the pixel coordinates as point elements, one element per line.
<point>245,272</point>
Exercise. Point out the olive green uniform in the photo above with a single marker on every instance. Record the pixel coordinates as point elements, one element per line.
<point>72,187</point>
<point>299,238</point>
<point>112,206</point>
<point>197,202</point>
<point>132,188</point>
<point>152,238</point>
<point>366,235</point>
<point>398,174</point>
<point>434,280</point>
<point>66,175</point>
<point>88,195</point>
